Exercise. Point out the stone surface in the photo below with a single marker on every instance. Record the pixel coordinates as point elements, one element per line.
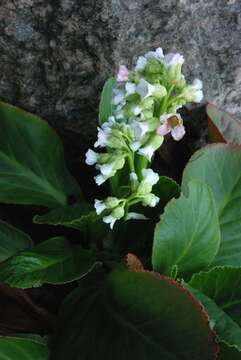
<point>55,55</point>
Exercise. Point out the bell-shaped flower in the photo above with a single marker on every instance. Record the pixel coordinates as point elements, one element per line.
<point>193,93</point>
<point>102,137</point>
<point>151,146</point>
<point>157,54</point>
<point>145,89</point>
<point>99,206</point>
<point>91,157</point>
<point>141,63</point>
<point>150,176</point>
<point>130,88</point>
<point>109,219</point>
<point>122,73</point>
<point>150,200</point>
<point>172,123</point>
<point>172,59</point>
<point>119,96</point>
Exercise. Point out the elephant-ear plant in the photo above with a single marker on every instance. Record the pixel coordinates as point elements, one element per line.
<point>183,304</point>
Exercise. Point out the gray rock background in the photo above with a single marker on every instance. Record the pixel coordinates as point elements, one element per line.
<point>56,54</point>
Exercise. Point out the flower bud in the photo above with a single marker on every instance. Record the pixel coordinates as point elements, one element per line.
<point>150,200</point>
<point>111,202</point>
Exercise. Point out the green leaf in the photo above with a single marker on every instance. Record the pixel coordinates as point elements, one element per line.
<point>32,165</point>
<point>53,261</point>
<point>12,240</point>
<point>106,106</point>
<point>222,285</point>
<point>219,165</point>
<point>226,125</point>
<point>187,237</point>
<point>226,328</point>
<point>132,315</point>
<point>79,217</point>
<point>23,348</point>
<point>73,216</point>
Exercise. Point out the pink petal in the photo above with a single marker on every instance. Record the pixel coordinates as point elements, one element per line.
<point>178,132</point>
<point>163,129</point>
<point>122,73</point>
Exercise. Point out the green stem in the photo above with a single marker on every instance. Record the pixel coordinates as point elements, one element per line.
<point>165,101</point>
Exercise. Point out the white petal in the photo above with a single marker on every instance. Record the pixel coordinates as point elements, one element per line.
<point>173,59</point>
<point>135,145</point>
<point>178,132</point>
<point>99,206</point>
<point>130,88</point>
<point>91,157</point>
<point>198,96</point>
<point>146,151</point>
<point>145,89</point>
<point>109,220</point>
<point>100,179</point>
<point>106,169</point>
<point>197,84</point>
<point>141,63</point>
<point>118,98</point>
<point>150,176</point>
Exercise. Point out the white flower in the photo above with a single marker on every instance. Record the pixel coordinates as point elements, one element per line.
<point>150,200</point>
<point>91,157</point>
<point>136,216</point>
<point>140,128</point>
<point>119,97</point>
<point>145,89</point>
<point>146,151</point>
<point>100,179</point>
<point>105,169</point>
<point>198,96</point>
<point>173,60</point>
<point>109,219</point>
<point>150,176</point>
<point>135,145</point>
<point>141,63</point>
<point>197,84</point>
<point>122,73</point>
<point>99,206</point>
<point>158,54</point>
<point>130,88</point>
<point>102,136</point>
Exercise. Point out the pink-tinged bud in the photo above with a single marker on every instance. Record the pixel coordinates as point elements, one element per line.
<point>122,73</point>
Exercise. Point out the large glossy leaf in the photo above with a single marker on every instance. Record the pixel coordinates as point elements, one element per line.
<point>226,328</point>
<point>53,261</point>
<point>32,165</point>
<point>80,217</point>
<point>23,348</point>
<point>73,216</point>
<point>223,285</point>
<point>12,240</point>
<point>219,165</point>
<point>187,236</point>
<point>223,126</point>
<point>132,315</point>
<point>106,106</point>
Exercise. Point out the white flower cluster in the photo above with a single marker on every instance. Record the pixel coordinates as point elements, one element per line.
<point>145,102</point>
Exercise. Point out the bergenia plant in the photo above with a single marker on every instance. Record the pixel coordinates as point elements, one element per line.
<point>145,103</point>
<point>109,285</point>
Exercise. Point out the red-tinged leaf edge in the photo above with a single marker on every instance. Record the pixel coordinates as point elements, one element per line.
<point>215,132</point>
<point>132,263</point>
